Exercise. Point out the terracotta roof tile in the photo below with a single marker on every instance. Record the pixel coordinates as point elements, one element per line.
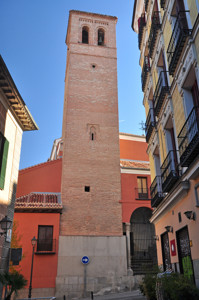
<point>39,201</point>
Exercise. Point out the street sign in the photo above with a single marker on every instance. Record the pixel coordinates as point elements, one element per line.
<point>85,260</point>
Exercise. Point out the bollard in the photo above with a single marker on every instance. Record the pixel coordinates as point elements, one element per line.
<point>64,297</point>
<point>92,296</point>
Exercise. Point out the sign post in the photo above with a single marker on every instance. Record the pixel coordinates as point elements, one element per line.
<point>85,260</point>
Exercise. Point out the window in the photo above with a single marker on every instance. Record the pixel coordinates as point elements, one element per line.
<point>45,238</point>
<point>101,37</point>
<point>85,35</point>
<point>87,189</point>
<point>142,188</point>
<point>4,145</point>
<point>179,217</point>
<point>92,133</point>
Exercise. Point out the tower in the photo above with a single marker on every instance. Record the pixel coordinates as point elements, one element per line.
<point>91,223</point>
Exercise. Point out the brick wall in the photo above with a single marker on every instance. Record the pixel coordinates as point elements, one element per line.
<point>91,101</point>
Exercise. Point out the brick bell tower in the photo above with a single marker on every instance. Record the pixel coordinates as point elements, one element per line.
<point>91,223</point>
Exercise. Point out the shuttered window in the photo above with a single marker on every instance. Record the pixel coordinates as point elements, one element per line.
<point>45,238</point>
<point>4,145</point>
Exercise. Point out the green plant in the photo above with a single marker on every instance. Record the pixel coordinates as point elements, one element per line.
<point>176,286</point>
<point>148,284</point>
<point>13,281</point>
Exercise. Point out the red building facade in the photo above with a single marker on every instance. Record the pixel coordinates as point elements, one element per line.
<point>135,174</point>
<point>37,214</point>
<point>38,209</point>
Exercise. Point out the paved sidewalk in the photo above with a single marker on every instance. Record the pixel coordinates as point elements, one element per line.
<point>134,295</point>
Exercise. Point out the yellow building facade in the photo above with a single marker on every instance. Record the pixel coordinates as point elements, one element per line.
<point>15,118</point>
<point>168,39</point>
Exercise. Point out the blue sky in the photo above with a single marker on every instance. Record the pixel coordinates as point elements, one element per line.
<point>32,44</point>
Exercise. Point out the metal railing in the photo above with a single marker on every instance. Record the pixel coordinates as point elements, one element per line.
<point>46,246</point>
<point>169,171</point>
<point>156,191</point>
<point>150,124</point>
<point>142,24</point>
<point>145,71</point>
<point>142,194</point>
<point>160,91</point>
<point>155,26</point>
<point>188,138</point>
<point>178,38</point>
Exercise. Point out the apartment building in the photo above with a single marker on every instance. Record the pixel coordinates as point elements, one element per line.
<point>168,40</point>
<point>14,119</point>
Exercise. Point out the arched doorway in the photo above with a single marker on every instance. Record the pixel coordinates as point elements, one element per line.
<point>143,244</point>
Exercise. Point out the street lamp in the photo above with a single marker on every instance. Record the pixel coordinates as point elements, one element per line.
<point>6,224</point>
<point>33,242</point>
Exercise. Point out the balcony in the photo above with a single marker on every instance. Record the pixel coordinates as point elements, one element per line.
<point>155,26</point>
<point>145,71</point>
<point>161,90</point>
<point>169,171</point>
<point>146,4</point>
<point>46,246</point>
<point>142,24</point>
<point>188,138</point>
<point>142,194</point>
<point>150,124</point>
<point>156,191</point>
<point>177,41</point>
<point>162,4</point>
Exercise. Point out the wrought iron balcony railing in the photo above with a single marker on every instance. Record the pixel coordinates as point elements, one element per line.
<point>142,194</point>
<point>188,138</point>
<point>150,124</point>
<point>145,71</point>
<point>155,26</point>
<point>156,191</point>
<point>142,24</point>
<point>177,41</point>
<point>161,90</point>
<point>169,170</point>
<point>162,3</point>
<point>46,246</point>
<point>146,4</point>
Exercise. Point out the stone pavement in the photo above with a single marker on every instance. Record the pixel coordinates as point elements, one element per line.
<point>133,295</point>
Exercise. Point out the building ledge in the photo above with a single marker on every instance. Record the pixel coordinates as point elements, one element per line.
<point>15,101</point>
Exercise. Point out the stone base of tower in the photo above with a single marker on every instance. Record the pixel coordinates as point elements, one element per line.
<point>107,267</point>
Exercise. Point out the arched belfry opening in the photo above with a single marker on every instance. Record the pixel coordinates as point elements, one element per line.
<point>143,244</point>
<point>101,36</point>
<point>85,35</point>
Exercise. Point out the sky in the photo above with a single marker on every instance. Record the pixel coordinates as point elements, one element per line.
<point>32,44</point>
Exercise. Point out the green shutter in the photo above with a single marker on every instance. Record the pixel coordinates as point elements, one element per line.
<point>4,163</point>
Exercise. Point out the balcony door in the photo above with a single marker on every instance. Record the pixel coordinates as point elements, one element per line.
<point>171,144</point>
<point>180,9</point>
<point>142,187</point>
<point>45,238</point>
<point>195,93</point>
